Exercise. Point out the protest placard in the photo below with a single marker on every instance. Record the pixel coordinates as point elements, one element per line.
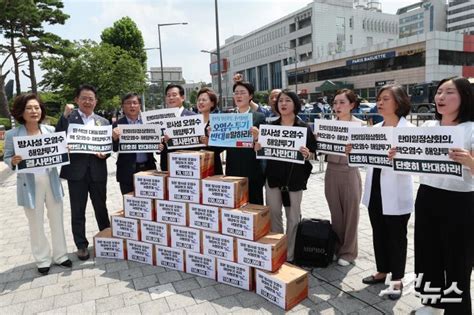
<point>332,135</point>
<point>139,138</point>
<point>185,132</point>
<point>424,151</point>
<point>281,143</point>
<point>89,139</point>
<point>41,152</point>
<point>231,130</point>
<point>370,146</point>
<point>156,116</point>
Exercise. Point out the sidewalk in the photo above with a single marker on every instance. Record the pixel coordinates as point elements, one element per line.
<point>121,287</point>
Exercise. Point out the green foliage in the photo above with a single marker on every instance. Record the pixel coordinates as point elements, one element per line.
<point>126,35</point>
<point>6,122</point>
<point>260,97</point>
<point>54,102</point>
<point>193,97</point>
<point>110,69</point>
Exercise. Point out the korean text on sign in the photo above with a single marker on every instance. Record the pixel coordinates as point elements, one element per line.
<point>89,139</point>
<point>231,130</point>
<point>281,143</point>
<point>333,135</point>
<point>139,138</point>
<point>370,146</point>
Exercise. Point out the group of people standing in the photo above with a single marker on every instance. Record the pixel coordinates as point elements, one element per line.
<point>444,240</point>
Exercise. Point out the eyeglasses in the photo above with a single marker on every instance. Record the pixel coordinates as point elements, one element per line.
<point>85,99</point>
<point>240,93</point>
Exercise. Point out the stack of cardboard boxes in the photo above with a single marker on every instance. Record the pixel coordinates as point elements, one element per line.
<point>192,221</point>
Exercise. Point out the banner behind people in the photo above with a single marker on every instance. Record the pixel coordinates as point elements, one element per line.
<point>231,130</point>
<point>89,139</point>
<point>41,152</point>
<point>281,143</point>
<point>333,135</point>
<point>139,138</point>
<point>424,151</point>
<point>370,146</point>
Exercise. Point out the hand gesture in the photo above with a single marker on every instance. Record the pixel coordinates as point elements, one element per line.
<point>305,152</point>
<point>16,159</point>
<point>116,133</point>
<point>68,110</point>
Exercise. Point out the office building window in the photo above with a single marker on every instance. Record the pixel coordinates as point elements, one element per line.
<point>262,78</point>
<point>275,72</point>
<point>252,76</point>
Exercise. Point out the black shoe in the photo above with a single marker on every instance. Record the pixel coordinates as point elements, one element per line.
<point>67,263</point>
<point>372,280</point>
<point>43,270</point>
<point>82,254</point>
<point>397,295</point>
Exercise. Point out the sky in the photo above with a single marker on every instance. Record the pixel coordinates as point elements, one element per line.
<point>182,44</point>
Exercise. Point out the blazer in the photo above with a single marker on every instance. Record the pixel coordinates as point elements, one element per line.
<point>396,189</point>
<point>81,162</point>
<point>25,185</point>
<point>126,161</point>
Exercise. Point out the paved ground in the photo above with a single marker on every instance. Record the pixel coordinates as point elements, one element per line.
<point>110,286</point>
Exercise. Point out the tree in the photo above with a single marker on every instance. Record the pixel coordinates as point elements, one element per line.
<point>4,112</point>
<point>111,69</point>
<point>126,35</point>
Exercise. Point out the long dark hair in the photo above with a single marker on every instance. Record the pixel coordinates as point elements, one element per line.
<point>463,86</point>
<point>294,98</point>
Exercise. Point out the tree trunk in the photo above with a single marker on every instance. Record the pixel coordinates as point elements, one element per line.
<point>31,64</point>
<point>15,64</point>
<point>4,112</point>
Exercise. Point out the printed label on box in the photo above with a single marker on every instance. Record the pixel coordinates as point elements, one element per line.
<point>234,274</point>
<point>138,208</point>
<point>109,248</point>
<point>255,254</point>
<point>154,232</point>
<point>200,265</point>
<point>125,228</point>
<point>140,252</point>
<point>218,194</point>
<point>186,238</point>
<point>204,217</point>
<point>169,257</point>
<point>150,186</point>
<point>238,224</point>
<point>271,289</point>
<point>218,245</point>
<point>183,189</point>
<point>171,212</point>
<point>185,166</point>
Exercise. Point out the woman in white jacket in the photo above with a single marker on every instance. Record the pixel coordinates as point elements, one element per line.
<point>389,198</point>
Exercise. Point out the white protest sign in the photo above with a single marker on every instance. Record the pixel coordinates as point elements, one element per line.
<point>281,143</point>
<point>139,138</point>
<point>231,130</point>
<point>332,135</point>
<point>156,116</point>
<point>89,139</point>
<point>41,152</point>
<point>424,151</point>
<point>185,131</point>
<point>370,146</point>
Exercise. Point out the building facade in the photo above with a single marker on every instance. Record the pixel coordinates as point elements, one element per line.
<point>422,17</point>
<point>461,16</point>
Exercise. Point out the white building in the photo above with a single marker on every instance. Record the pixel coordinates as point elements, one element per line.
<point>170,75</point>
<point>461,16</point>
<point>422,17</point>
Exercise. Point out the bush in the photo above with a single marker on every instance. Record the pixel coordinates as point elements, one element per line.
<point>50,120</point>
<point>6,122</point>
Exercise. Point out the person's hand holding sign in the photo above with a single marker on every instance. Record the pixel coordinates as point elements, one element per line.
<point>16,159</point>
<point>305,152</point>
<point>462,156</point>
<point>116,133</point>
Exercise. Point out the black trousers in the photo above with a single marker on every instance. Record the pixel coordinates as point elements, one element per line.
<point>389,234</point>
<point>444,244</point>
<point>127,186</point>
<point>78,191</point>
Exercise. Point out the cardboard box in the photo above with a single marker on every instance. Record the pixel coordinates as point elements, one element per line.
<point>184,189</point>
<point>168,257</point>
<point>186,238</point>
<point>286,287</point>
<point>225,191</point>
<point>201,265</point>
<point>250,222</point>
<point>205,217</point>
<point>155,233</point>
<point>151,184</point>
<point>140,252</point>
<point>124,227</point>
<point>139,208</point>
<point>235,274</point>
<point>171,212</point>
<point>105,246</point>
<point>268,253</point>
<point>191,164</point>
<point>219,246</point>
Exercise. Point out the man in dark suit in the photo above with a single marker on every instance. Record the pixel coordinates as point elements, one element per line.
<point>174,99</point>
<point>87,173</point>
<point>130,163</point>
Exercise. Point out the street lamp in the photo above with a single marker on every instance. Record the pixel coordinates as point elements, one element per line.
<point>296,66</point>
<point>219,77</point>
<point>161,54</point>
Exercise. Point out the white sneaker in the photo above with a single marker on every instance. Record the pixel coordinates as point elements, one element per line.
<point>428,310</point>
<point>343,262</point>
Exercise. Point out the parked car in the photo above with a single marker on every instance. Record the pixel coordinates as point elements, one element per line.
<point>363,109</point>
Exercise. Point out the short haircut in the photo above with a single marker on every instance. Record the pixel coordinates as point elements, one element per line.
<point>463,86</point>
<point>247,85</point>
<point>179,87</point>
<point>131,95</point>
<point>19,106</point>
<point>85,87</point>
<point>294,98</point>
<point>212,96</point>
<point>351,97</point>
<point>400,96</point>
